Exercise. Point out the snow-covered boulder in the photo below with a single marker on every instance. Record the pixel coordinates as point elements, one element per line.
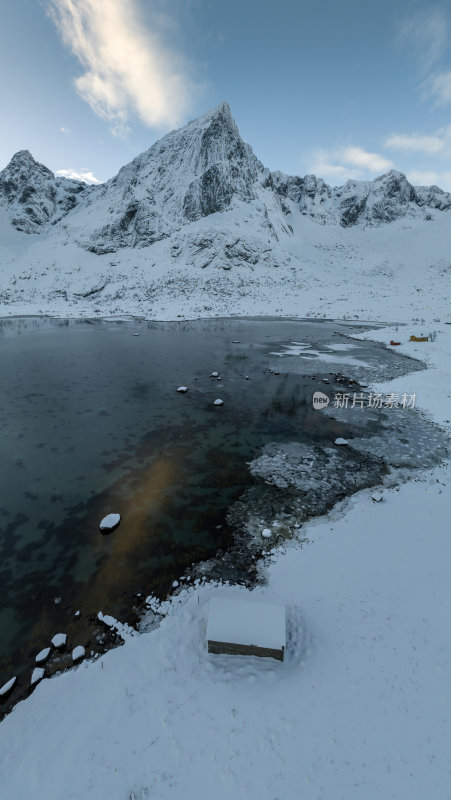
<point>78,653</point>
<point>341,442</point>
<point>36,676</point>
<point>218,402</point>
<point>266,533</point>
<point>110,522</point>
<point>377,497</point>
<point>42,657</point>
<point>6,688</point>
<point>182,389</point>
<point>59,640</point>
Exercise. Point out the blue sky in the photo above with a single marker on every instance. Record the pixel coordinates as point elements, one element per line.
<point>344,90</point>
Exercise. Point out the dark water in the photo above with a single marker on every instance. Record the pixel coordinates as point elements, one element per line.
<point>91,423</point>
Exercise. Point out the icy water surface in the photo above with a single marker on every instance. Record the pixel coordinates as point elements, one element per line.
<point>91,423</point>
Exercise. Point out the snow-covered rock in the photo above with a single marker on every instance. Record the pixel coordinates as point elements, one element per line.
<point>266,533</point>
<point>108,620</point>
<point>37,675</point>
<point>110,522</point>
<point>59,640</point>
<point>377,497</point>
<point>182,389</point>
<point>7,686</point>
<point>214,375</point>
<point>78,653</point>
<point>42,656</point>
<point>341,442</point>
<point>218,402</point>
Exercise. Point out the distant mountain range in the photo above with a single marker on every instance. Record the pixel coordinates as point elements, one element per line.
<point>199,190</point>
<point>202,169</point>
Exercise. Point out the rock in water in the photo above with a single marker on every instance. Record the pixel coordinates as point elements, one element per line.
<point>36,676</point>
<point>43,655</point>
<point>218,402</point>
<point>78,653</point>
<point>182,389</point>
<point>6,688</point>
<point>59,640</point>
<point>110,522</point>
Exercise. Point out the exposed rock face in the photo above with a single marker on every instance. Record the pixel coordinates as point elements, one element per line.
<point>370,202</point>
<point>189,174</point>
<point>33,196</point>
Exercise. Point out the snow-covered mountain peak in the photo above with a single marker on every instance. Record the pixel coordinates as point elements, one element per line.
<point>202,169</point>
<point>31,194</point>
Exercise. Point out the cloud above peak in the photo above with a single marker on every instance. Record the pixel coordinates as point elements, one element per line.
<point>84,175</point>
<point>348,163</point>
<point>128,69</point>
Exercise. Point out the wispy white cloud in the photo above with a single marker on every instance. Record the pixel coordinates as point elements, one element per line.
<point>426,34</point>
<point>65,130</point>
<point>127,69</point>
<point>83,175</point>
<point>373,162</point>
<point>348,163</point>
<point>438,143</point>
<point>429,178</point>
<point>438,88</point>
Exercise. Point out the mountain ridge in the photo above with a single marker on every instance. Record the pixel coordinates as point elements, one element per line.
<point>198,170</point>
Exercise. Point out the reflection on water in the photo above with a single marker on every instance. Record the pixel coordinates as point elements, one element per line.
<point>91,424</point>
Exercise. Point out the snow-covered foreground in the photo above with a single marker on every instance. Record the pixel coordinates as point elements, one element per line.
<point>360,708</point>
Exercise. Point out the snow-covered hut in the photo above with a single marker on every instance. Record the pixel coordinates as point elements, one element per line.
<point>246,627</point>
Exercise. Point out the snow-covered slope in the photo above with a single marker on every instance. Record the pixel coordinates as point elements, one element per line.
<point>197,226</point>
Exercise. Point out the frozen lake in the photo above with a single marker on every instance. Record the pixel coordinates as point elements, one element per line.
<point>92,423</point>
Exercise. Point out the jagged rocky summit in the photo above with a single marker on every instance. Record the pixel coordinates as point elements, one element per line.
<point>202,170</point>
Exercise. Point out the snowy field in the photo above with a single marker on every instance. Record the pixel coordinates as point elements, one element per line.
<point>360,708</point>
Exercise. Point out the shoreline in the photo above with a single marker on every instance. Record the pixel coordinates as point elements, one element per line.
<point>139,615</point>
